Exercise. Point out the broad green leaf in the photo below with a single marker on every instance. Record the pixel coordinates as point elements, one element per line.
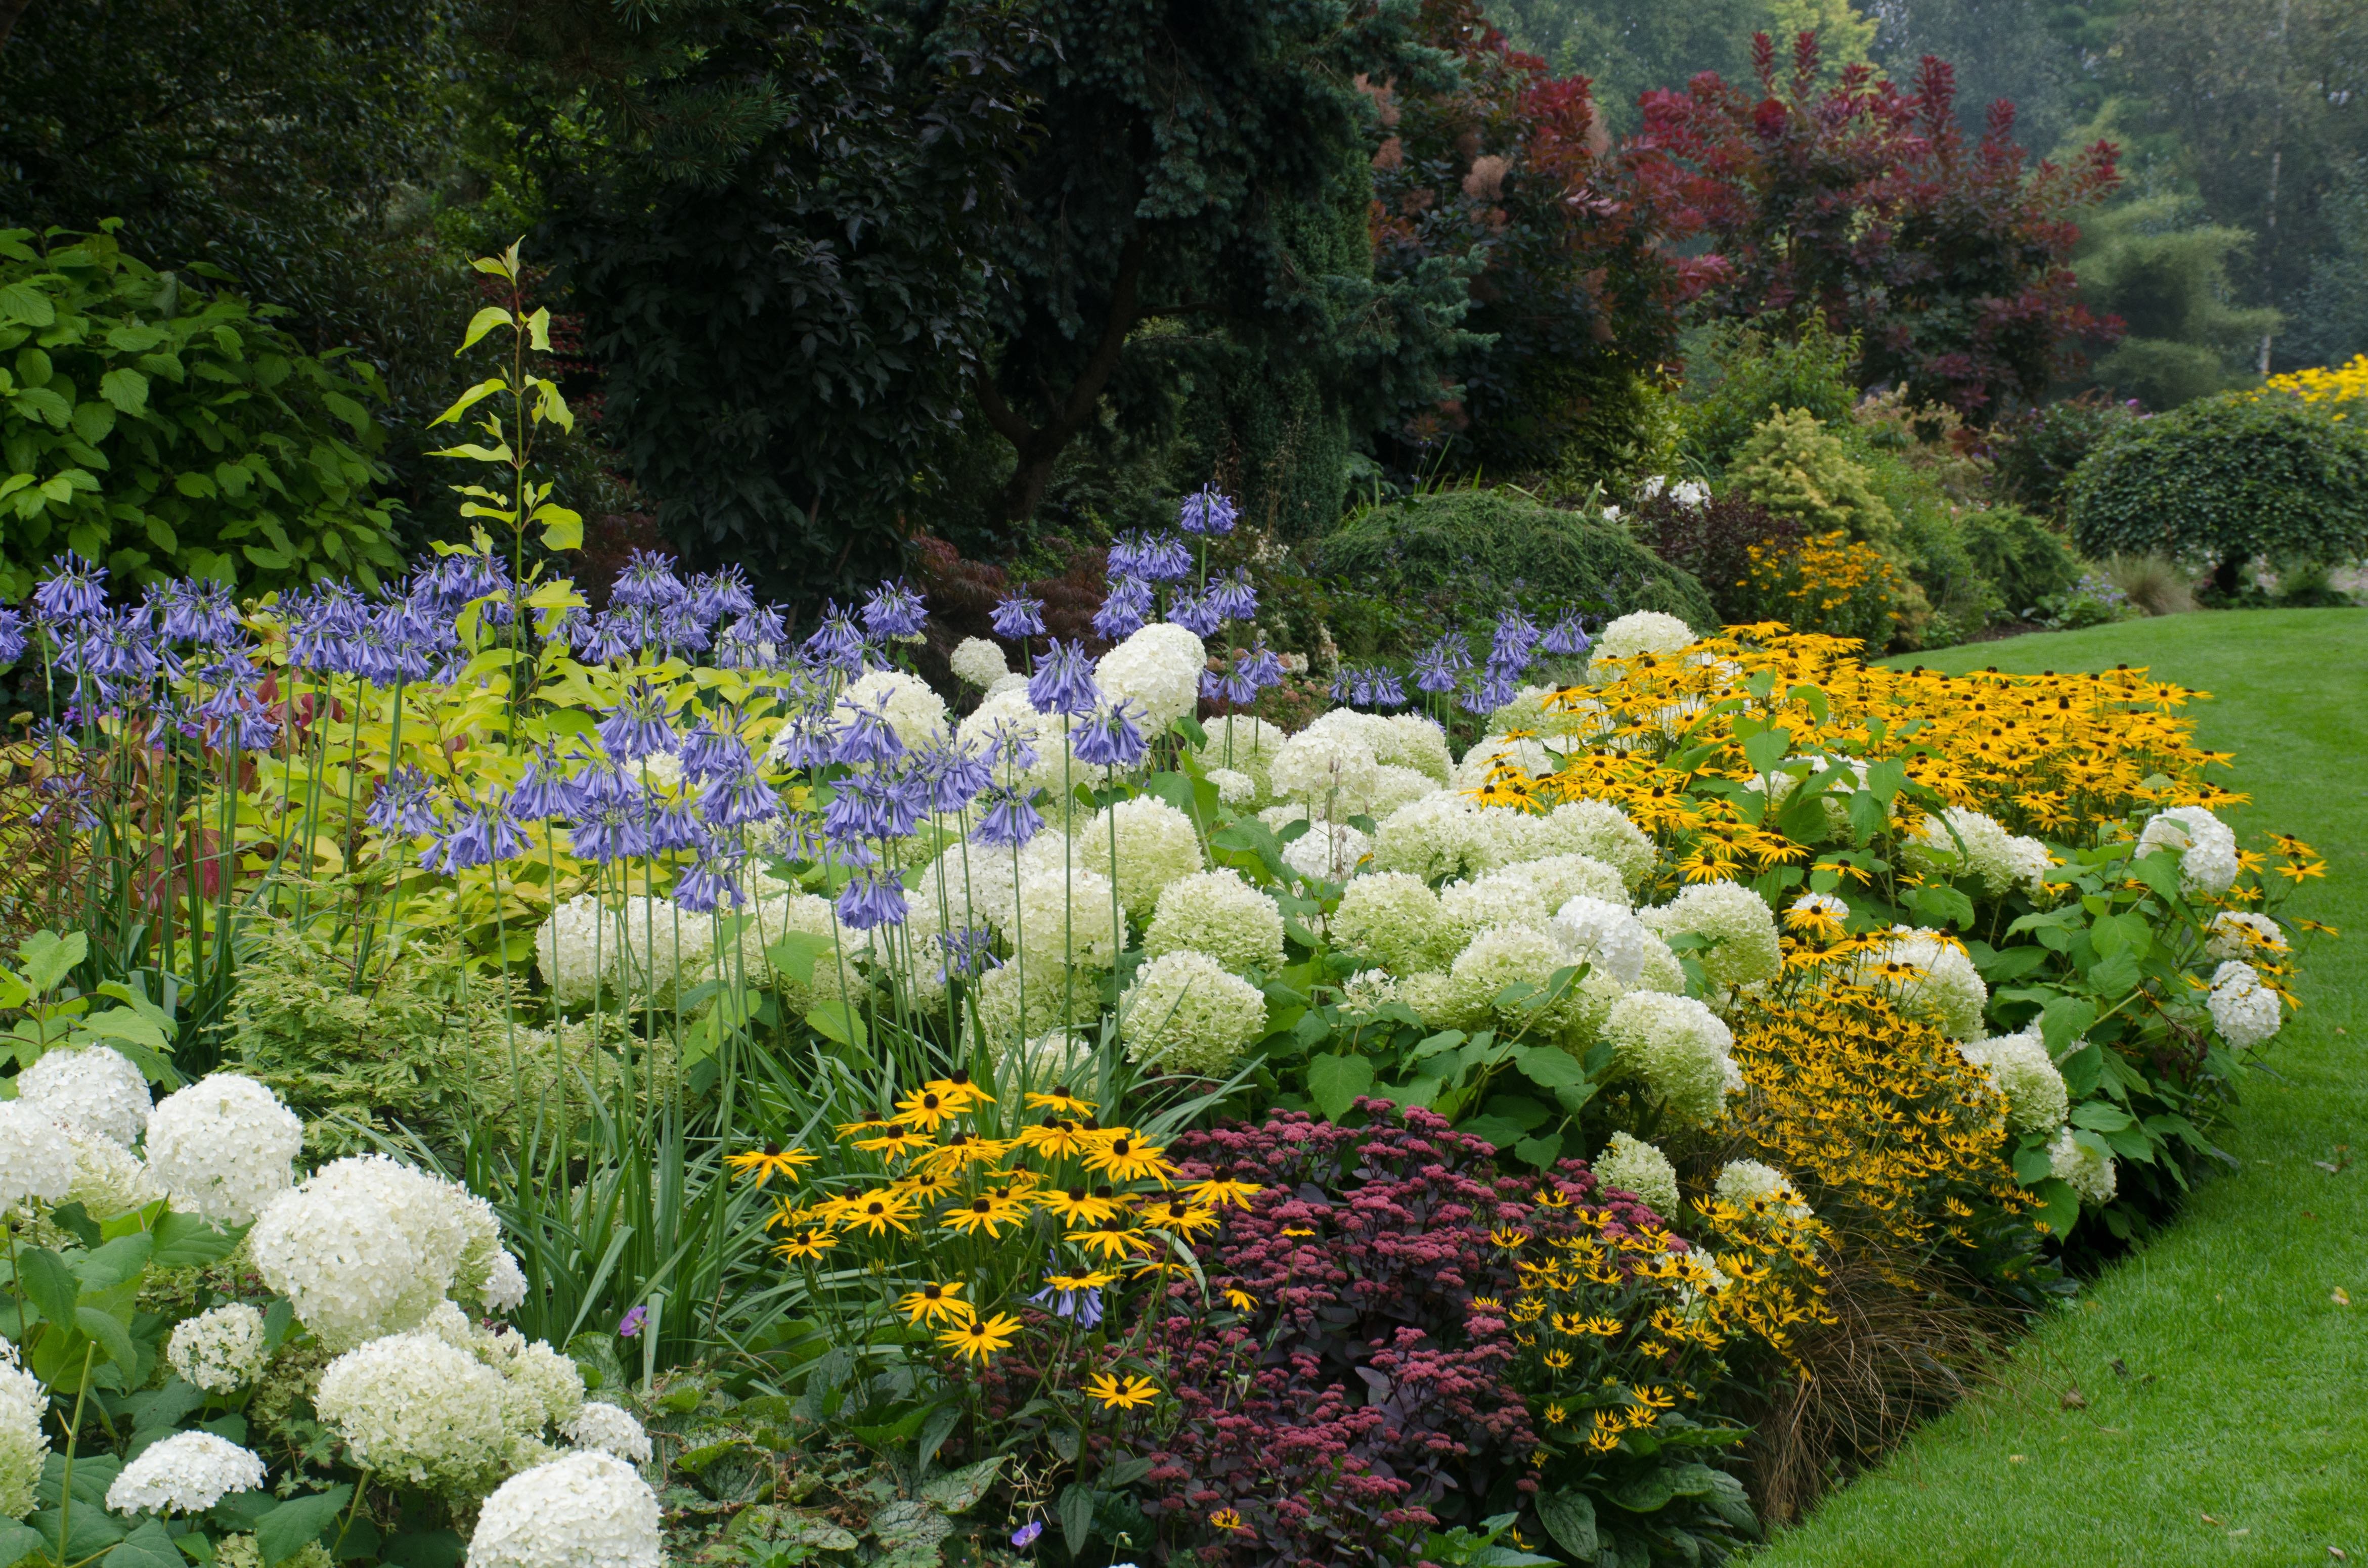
<point>23,303</point>
<point>469,400</point>
<point>562,528</point>
<point>796,952</point>
<point>49,1283</point>
<point>188,1240</point>
<point>2059,1206</point>
<point>1549,1068</point>
<point>295,1523</point>
<point>1335,1082</point>
<point>483,322</point>
<point>127,390</point>
<point>110,1337</point>
<point>838,1021</point>
<point>18,1542</point>
<point>104,1267</point>
<point>1539,1152</point>
<point>48,958</point>
<point>1077,1510</point>
<point>538,330</point>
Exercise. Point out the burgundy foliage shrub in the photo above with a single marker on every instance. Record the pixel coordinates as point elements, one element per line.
<point>1355,1400</point>
<point>1715,541</point>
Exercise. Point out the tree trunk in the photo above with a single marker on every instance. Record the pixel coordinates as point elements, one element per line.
<point>9,11</point>
<point>1039,447</point>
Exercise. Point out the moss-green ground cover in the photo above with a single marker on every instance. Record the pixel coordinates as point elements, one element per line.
<point>2206,1400</point>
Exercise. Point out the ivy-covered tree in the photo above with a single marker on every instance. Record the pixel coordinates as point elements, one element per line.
<point>1169,217</point>
<point>1949,258</point>
<point>774,219</point>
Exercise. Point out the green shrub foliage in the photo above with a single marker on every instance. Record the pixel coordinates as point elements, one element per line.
<point>2023,557</point>
<point>1736,377</point>
<point>2037,451</point>
<point>2225,479</point>
<point>1466,551</point>
<point>164,428</point>
<point>1796,468</point>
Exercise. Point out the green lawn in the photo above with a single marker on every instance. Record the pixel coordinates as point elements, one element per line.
<point>2226,1390</point>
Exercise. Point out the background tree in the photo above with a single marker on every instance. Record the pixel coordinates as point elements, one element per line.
<point>1949,258</point>
<point>2169,276</point>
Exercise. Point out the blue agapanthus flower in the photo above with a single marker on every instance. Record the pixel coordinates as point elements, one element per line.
<point>1018,616</point>
<point>647,582</point>
<point>1207,511</point>
<point>1124,609</point>
<point>894,610</point>
<point>1111,738</point>
<point>75,588</point>
<point>873,899</point>
<point>1063,681</point>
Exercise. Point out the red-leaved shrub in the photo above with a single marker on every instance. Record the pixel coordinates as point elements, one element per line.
<point>1341,1394</point>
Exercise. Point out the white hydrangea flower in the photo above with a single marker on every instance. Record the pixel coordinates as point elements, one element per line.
<point>2205,845</point>
<point>1184,1014</point>
<point>1332,770</point>
<point>913,711</point>
<point>1024,999</point>
<point>37,1157</point>
<point>108,1179</point>
<point>588,1510</point>
<point>1156,845</point>
<point>1234,788</point>
<point>1367,991</point>
<point>1395,916</point>
<point>1064,915</point>
<point>1328,849</point>
<point>1491,752</point>
<point>1001,684</point>
<point>2019,1067</point>
<point>1606,935</point>
<point>979,661</point>
<point>1634,1165</point>
<point>185,1474</point>
<point>1742,931</point>
<point>1679,1048</point>
<point>1501,955</point>
<point>545,1388</point>
<point>1639,631</point>
<point>1416,742</point>
<point>662,770</point>
<point>2093,1175</point>
<point>1218,913</point>
<point>413,1407</point>
<point>2028,860</point>
<point>1999,859</point>
<point>1441,835</point>
<point>1159,667</point>
<point>367,1247</point>
<point>1945,987</point>
<point>1499,898</point>
<point>24,1446</point>
<point>2246,1012</point>
<point>1601,831</point>
<point>1240,744</point>
<point>1554,879</point>
<point>2239,934</point>
<point>505,1285</point>
<point>221,1349</point>
<point>94,1090</point>
<point>1760,1190</point>
<point>222,1147</point>
<point>1431,996</point>
<point>642,947</point>
<point>610,1429</point>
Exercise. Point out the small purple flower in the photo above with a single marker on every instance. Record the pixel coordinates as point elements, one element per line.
<point>1084,1306</point>
<point>1010,821</point>
<point>1207,511</point>
<point>894,610</point>
<point>969,951</point>
<point>1019,617</point>
<point>1109,738</point>
<point>1008,747</point>
<point>1161,558</point>
<point>482,837</point>
<point>1387,692</point>
<point>74,589</point>
<point>674,829</point>
<point>1063,681</point>
<point>1124,609</point>
<point>1263,668</point>
<point>1025,1536</point>
<point>1567,636</point>
<point>404,806</point>
<point>872,900</point>
<point>647,582</point>
<point>630,1325</point>
<point>867,737</point>
<point>1196,614</point>
<point>638,727</point>
<point>1233,597</point>
<point>742,801</point>
<point>541,794</point>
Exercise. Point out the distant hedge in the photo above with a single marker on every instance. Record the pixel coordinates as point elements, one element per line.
<point>1465,552</point>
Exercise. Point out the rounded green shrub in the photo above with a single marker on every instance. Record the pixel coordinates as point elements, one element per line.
<point>1462,553</point>
<point>2224,479</point>
<point>2024,558</point>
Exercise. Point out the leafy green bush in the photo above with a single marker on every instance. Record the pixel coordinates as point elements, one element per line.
<point>1465,552</point>
<point>2027,561</point>
<point>1738,376</point>
<point>400,1040</point>
<point>2035,451</point>
<point>166,429</point>
<point>1796,468</point>
<point>2224,479</point>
